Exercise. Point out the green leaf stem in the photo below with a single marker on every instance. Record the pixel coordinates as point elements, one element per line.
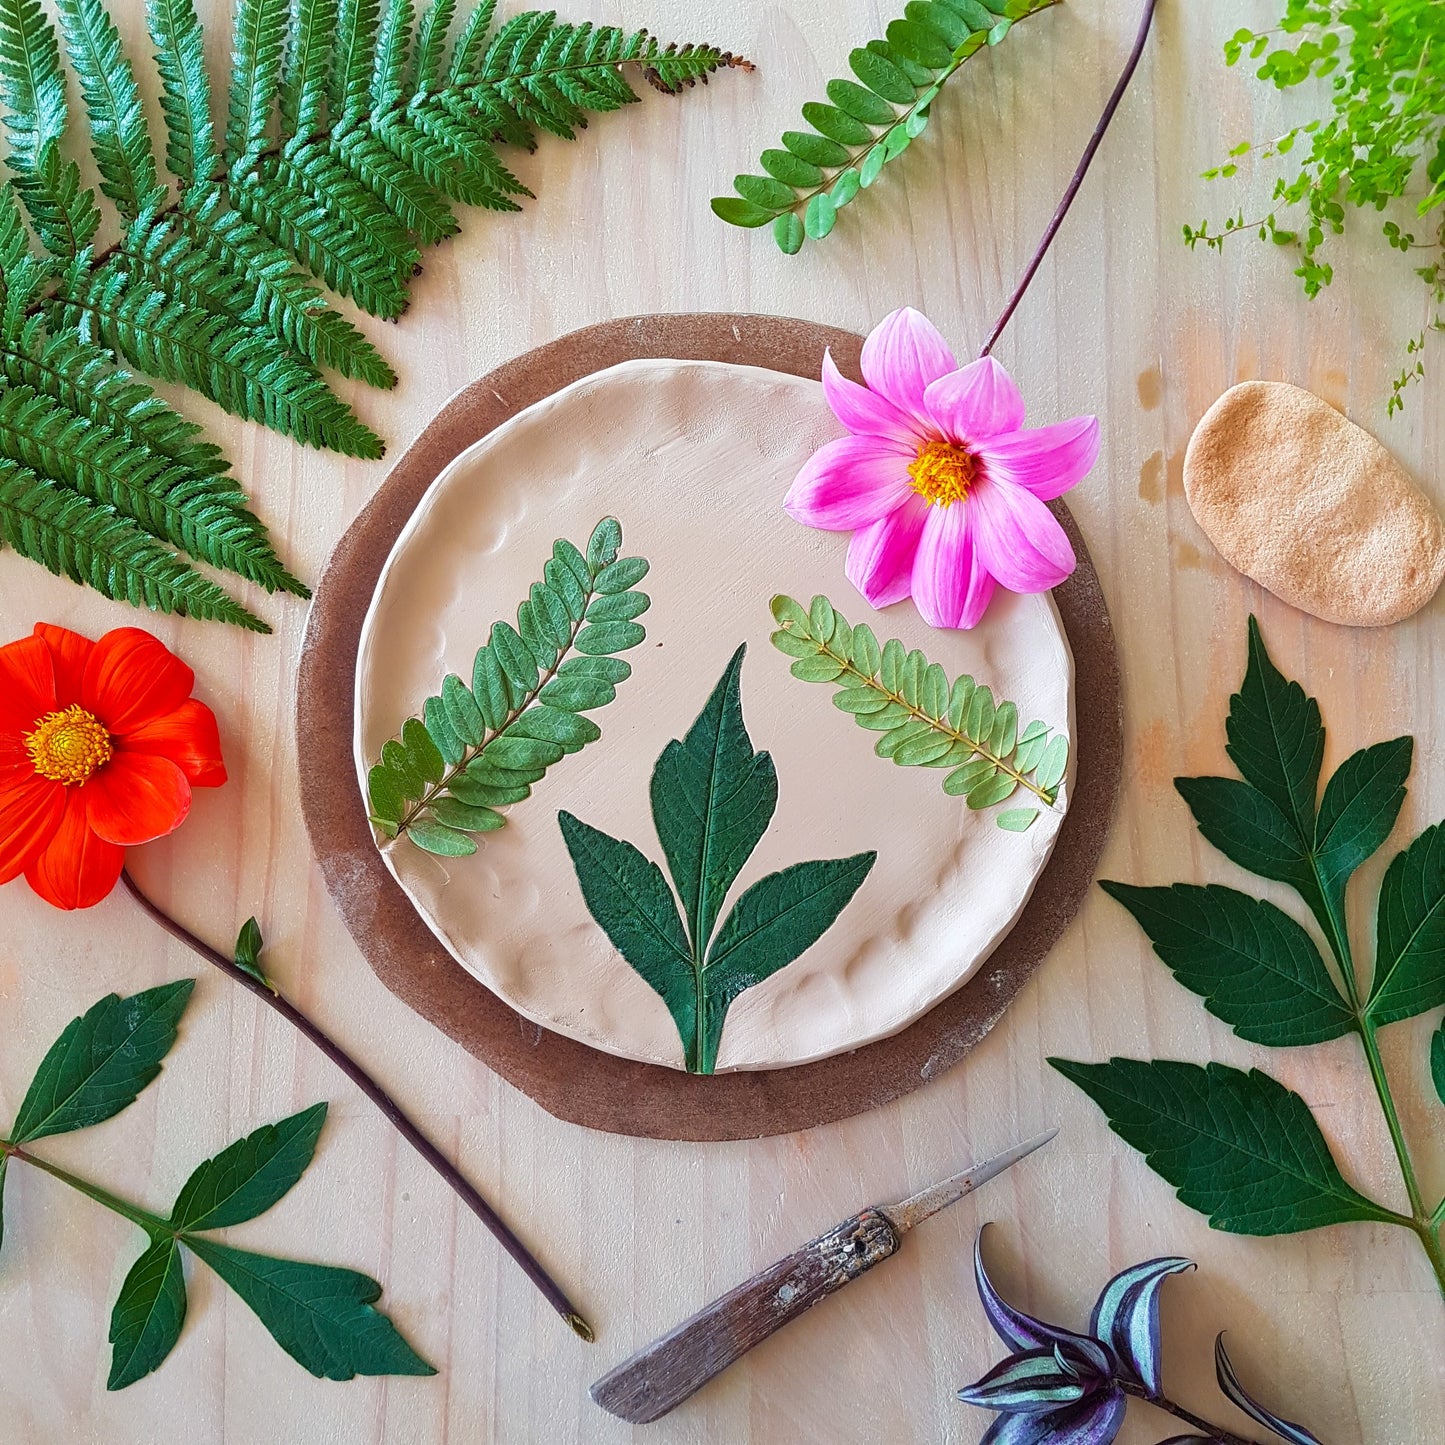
<point>478,747</point>
<point>923,719</point>
<point>712,799</point>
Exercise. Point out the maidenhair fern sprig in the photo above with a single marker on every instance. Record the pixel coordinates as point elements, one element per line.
<point>353,129</point>
<point>922,719</point>
<point>868,121</point>
<point>475,749</point>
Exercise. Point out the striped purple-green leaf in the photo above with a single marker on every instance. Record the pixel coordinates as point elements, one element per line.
<point>1028,1384</point>
<point>1095,1421</point>
<point>1126,1318</point>
<point>1020,1331</point>
<point>1229,1383</point>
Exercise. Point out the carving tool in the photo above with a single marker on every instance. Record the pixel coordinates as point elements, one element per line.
<point>669,1370</point>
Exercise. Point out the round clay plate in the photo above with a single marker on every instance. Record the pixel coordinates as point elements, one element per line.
<point>692,454</point>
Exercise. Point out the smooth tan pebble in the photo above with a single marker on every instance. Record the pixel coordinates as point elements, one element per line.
<point>1312,507</point>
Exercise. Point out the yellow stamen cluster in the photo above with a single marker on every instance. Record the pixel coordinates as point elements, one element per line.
<point>942,472</point>
<point>68,746</point>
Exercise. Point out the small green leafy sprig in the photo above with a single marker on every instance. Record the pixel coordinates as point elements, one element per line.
<point>924,720</point>
<point>712,800</point>
<point>1381,148</point>
<point>478,748</point>
<point>869,121</point>
<point>322,1316</point>
<point>1240,1147</point>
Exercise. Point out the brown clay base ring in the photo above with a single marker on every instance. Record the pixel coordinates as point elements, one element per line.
<point>569,1079</point>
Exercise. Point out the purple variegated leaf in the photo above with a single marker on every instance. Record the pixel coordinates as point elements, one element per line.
<point>1029,1383</point>
<point>1229,1383</point>
<point>1094,1422</point>
<point>1126,1318</point>
<point>1023,1332</point>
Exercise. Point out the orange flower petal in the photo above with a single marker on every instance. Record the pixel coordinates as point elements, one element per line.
<point>27,685</point>
<point>76,869</point>
<point>69,652</point>
<point>30,812</point>
<point>188,737</point>
<point>132,678</point>
<point>136,798</point>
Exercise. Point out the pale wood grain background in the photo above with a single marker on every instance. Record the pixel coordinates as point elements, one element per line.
<point>1342,1327</point>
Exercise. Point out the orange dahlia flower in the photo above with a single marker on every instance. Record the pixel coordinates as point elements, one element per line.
<point>100,746</point>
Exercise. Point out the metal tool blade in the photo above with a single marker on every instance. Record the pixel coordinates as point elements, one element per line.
<point>927,1202</point>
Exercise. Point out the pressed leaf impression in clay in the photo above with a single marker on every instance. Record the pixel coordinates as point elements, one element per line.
<point>713,797</point>
<point>921,718</point>
<point>478,748</point>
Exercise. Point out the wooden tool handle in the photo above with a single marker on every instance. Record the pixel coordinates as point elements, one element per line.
<point>659,1378</point>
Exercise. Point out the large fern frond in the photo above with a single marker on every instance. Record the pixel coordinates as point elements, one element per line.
<point>352,129</point>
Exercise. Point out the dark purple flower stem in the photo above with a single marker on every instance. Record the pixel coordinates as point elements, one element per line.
<point>1213,1433</point>
<point>393,1111</point>
<point>1080,171</point>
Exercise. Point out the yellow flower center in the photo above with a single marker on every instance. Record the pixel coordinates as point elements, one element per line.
<point>68,746</point>
<point>942,472</point>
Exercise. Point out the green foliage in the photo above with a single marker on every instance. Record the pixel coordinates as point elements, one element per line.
<point>1241,1147</point>
<point>712,800</point>
<point>477,748</point>
<point>1437,1062</point>
<point>868,121</point>
<point>922,719</point>
<point>1380,147</point>
<point>351,130</point>
<point>321,1316</point>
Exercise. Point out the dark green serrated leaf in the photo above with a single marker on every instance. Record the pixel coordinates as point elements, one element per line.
<point>1361,802</point>
<point>247,1178</point>
<point>1253,965</point>
<point>101,1062</point>
<point>1437,1066</point>
<point>1410,932</point>
<point>149,1312</point>
<point>323,1317</point>
<point>247,953</point>
<point>1240,1148</point>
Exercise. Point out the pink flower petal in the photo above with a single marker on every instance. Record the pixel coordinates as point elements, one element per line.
<point>850,483</point>
<point>880,557</point>
<point>977,401</point>
<point>865,412</point>
<point>902,355</point>
<point>1047,460</point>
<point>1018,538</point>
<point>951,585</point>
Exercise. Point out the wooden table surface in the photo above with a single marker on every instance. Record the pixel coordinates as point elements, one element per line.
<point>1342,1327</point>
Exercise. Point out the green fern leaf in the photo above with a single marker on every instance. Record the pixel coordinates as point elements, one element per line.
<point>234,366</point>
<point>119,137</point>
<point>922,719</point>
<point>424,140</point>
<point>479,747</point>
<point>32,84</point>
<point>62,210</point>
<point>161,498</point>
<point>349,86</point>
<point>327,247</point>
<point>471,44</point>
<point>185,89</point>
<point>303,95</point>
<point>864,124</point>
<point>393,42</point>
<point>431,45</point>
<point>309,166</point>
<point>277,296</point>
<point>256,53</point>
<point>74,537</point>
<point>421,208</point>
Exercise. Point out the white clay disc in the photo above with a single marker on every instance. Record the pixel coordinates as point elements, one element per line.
<point>694,458</point>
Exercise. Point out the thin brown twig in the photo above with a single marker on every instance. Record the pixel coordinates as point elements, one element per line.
<point>1077,180</point>
<point>393,1111</point>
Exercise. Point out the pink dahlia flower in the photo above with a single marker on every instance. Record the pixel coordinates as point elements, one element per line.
<point>940,482</point>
